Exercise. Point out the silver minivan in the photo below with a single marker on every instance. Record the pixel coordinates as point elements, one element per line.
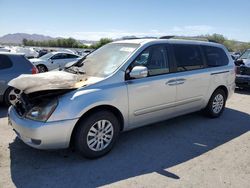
<point>121,86</point>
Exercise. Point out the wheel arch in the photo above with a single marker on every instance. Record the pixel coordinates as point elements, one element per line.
<point>42,65</point>
<point>224,88</point>
<point>110,108</point>
<point>6,92</point>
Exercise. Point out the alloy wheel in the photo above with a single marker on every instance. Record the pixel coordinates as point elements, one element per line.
<point>100,135</point>
<point>218,103</point>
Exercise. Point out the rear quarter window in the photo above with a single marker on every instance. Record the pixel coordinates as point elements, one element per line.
<point>5,62</point>
<point>20,62</point>
<point>215,56</point>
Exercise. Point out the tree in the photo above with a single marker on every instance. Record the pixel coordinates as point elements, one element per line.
<point>100,43</point>
<point>25,42</point>
<point>217,38</point>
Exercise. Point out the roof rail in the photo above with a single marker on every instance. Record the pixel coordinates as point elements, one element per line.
<point>134,37</point>
<point>186,38</point>
<point>167,37</point>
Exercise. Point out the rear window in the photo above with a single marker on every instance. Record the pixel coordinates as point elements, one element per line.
<point>188,57</point>
<point>215,56</point>
<point>5,62</point>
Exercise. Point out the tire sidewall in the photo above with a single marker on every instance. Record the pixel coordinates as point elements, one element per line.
<point>6,96</point>
<point>84,127</point>
<point>210,111</point>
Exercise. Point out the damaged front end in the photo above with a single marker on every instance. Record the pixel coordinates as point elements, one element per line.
<point>36,96</point>
<point>37,105</point>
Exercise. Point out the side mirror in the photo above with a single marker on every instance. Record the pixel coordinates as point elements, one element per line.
<point>139,72</point>
<point>51,60</point>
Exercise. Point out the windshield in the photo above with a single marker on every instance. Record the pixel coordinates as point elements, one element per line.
<point>245,55</point>
<point>46,56</point>
<point>107,59</point>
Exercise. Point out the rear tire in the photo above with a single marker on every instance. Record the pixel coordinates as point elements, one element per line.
<point>216,104</point>
<point>42,68</point>
<point>96,135</point>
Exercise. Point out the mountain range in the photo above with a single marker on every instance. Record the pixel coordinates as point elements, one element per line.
<point>17,38</point>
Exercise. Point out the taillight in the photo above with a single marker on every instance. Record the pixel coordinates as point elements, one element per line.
<point>34,70</point>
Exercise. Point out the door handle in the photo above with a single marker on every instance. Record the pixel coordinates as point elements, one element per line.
<point>171,82</point>
<point>180,81</point>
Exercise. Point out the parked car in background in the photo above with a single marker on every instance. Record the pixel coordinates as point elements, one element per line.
<point>122,85</point>
<point>42,52</point>
<point>11,66</point>
<point>235,55</point>
<point>4,49</point>
<point>53,60</point>
<point>71,51</point>
<point>85,52</point>
<point>243,70</point>
<point>29,52</point>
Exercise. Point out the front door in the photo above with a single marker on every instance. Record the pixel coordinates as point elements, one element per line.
<point>59,60</point>
<point>152,98</point>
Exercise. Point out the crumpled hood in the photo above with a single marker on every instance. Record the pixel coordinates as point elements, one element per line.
<point>51,81</point>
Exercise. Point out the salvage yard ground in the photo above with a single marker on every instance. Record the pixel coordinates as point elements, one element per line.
<point>189,151</point>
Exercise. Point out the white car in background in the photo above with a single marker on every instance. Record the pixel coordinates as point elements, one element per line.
<point>54,60</point>
<point>4,49</point>
<point>29,52</point>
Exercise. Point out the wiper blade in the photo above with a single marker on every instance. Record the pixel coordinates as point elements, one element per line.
<point>74,70</point>
<point>79,63</point>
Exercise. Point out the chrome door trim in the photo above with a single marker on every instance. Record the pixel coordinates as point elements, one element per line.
<point>221,72</point>
<point>164,106</point>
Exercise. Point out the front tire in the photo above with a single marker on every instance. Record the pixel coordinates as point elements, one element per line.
<point>216,104</point>
<point>96,135</point>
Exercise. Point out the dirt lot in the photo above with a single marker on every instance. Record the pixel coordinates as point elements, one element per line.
<point>189,151</point>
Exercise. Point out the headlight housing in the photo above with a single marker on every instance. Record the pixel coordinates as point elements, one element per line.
<point>43,111</point>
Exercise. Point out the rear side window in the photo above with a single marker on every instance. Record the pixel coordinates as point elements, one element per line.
<point>5,62</point>
<point>71,56</point>
<point>188,57</point>
<point>215,56</point>
<point>59,56</point>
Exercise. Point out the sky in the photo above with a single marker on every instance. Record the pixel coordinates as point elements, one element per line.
<point>94,19</point>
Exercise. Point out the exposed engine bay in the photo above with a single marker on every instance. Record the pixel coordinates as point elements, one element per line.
<point>31,90</point>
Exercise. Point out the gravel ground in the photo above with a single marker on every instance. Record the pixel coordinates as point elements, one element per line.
<point>189,151</point>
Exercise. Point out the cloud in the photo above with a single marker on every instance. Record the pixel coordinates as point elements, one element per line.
<point>192,30</point>
<point>189,30</point>
<point>109,34</point>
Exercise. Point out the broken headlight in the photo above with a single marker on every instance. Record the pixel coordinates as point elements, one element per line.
<point>43,111</point>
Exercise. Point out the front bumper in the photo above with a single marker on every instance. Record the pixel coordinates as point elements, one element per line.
<point>42,135</point>
<point>242,80</point>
